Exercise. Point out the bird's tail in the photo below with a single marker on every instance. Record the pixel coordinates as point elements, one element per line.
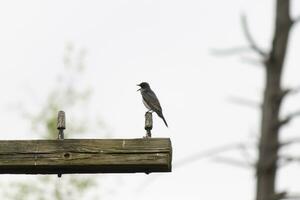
<point>162,116</point>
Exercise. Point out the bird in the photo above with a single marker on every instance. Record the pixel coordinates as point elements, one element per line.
<point>150,100</point>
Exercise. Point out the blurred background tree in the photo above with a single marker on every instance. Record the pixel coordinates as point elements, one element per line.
<point>71,94</point>
<point>269,147</point>
<point>271,154</point>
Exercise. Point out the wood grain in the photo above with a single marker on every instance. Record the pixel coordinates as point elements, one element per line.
<point>85,156</point>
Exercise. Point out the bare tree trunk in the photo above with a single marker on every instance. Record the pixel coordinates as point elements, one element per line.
<point>269,145</point>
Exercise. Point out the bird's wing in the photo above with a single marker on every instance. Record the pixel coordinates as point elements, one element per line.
<point>150,98</point>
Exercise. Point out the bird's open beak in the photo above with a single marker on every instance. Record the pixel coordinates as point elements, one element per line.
<point>140,88</point>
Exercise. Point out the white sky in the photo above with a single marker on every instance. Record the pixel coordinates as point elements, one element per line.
<point>168,44</point>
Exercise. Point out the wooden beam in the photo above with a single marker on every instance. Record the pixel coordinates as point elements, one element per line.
<point>85,156</point>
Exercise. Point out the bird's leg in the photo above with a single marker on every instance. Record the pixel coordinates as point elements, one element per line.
<point>148,134</point>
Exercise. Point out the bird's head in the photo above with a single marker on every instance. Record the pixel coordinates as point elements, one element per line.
<point>143,85</point>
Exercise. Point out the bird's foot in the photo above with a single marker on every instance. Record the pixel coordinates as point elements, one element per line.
<point>148,135</point>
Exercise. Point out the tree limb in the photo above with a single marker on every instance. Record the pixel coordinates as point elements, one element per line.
<point>296,20</point>
<point>249,37</point>
<point>292,196</point>
<point>208,153</point>
<point>287,159</point>
<point>230,51</point>
<point>285,195</point>
<point>252,61</point>
<point>244,102</point>
<point>290,141</point>
<point>289,117</point>
<point>246,155</point>
<point>295,90</point>
<point>279,195</point>
<point>288,91</point>
<point>234,162</point>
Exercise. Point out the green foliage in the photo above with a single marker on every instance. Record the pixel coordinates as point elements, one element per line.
<point>67,96</point>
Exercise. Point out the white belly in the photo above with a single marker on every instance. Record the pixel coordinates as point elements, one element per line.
<point>147,106</point>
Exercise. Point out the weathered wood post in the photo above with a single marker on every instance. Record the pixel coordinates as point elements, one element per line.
<point>61,125</point>
<point>69,156</point>
<point>148,124</point>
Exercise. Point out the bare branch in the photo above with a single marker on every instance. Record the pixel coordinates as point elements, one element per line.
<point>242,49</point>
<point>211,152</point>
<point>246,155</point>
<point>292,196</point>
<point>244,102</point>
<point>287,159</point>
<point>230,51</point>
<point>252,61</point>
<point>234,162</point>
<point>284,93</point>
<point>290,141</point>
<point>201,155</point>
<point>295,90</point>
<point>296,20</point>
<point>279,195</point>
<point>288,91</point>
<point>249,37</point>
<point>289,117</point>
<point>285,195</point>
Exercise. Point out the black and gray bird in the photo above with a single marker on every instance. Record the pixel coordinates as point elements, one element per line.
<point>150,100</point>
